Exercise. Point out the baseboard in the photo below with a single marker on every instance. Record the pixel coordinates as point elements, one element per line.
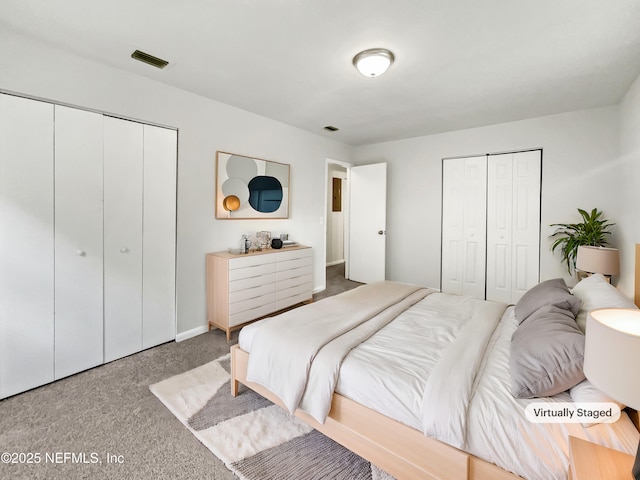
<point>194,332</point>
<point>336,262</point>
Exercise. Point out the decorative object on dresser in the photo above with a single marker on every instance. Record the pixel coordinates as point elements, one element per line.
<point>243,288</point>
<point>603,260</point>
<point>593,231</point>
<point>248,187</point>
<point>612,346</point>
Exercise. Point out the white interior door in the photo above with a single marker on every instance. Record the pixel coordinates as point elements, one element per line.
<point>123,156</point>
<point>464,226</point>
<point>513,224</point>
<point>26,244</point>
<point>159,236</point>
<point>367,222</point>
<point>78,240</point>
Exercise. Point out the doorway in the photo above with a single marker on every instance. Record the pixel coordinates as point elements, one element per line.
<point>337,220</point>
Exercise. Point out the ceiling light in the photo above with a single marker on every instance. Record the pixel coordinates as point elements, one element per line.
<point>373,62</point>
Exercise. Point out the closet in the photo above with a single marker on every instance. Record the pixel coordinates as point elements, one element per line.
<point>491,225</point>
<point>87,240</point>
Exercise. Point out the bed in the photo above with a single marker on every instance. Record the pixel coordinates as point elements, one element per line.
<point>436,405</point>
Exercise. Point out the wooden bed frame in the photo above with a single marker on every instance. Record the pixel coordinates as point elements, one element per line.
<point>400,450</point>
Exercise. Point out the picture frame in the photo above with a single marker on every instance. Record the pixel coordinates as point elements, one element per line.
<point>250,187</point>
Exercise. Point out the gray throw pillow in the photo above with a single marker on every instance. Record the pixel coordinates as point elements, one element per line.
<point>550,292</point>
<point>547,354</point>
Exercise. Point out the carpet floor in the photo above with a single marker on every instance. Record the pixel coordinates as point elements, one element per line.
<point>256,439</point>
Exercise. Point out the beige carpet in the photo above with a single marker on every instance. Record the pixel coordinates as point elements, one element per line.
<point>254,438</point>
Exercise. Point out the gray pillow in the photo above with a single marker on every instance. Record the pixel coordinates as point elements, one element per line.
<point>547,354</point>
<point>550,292</point>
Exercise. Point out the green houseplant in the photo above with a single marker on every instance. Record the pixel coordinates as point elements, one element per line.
<point>593,231</point>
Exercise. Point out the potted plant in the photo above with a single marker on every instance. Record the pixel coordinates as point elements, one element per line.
<point>593,231</point>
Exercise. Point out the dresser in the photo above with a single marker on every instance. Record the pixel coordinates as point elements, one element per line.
<point>243,288</point>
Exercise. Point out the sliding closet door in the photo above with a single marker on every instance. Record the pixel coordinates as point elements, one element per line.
<point>78,240</point>
<point>513,224</point>
<point>123,154</point>
<point>159,236</point>
<point>464,226</point>
<point>26,244</point>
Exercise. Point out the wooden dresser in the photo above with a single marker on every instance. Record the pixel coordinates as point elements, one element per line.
<point>243,288</point>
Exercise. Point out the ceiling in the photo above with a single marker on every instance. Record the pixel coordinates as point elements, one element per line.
<point>459,63</point>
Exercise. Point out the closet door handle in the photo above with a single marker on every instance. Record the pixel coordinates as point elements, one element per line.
<point>81,253</point>
<point>124,250</point>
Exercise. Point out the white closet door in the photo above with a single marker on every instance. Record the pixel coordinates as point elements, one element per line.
<point>26,244</point>
<point>78,240</point>
<point>464,226</point>
<point>123,155</point>
<point>525,272</point>
<point>499,227</point>
<point>513,224</point>
<point>159,236</point>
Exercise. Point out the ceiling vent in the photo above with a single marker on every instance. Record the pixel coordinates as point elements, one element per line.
<point>150,59</point>
<point>331,128</point>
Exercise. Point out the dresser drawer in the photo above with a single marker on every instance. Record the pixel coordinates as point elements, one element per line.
<point>250,282</point>
<point>250,293</point>
<point>293,272</point>
<point>294,254</point>
<point>250,261</point>
<point>251,303</point>
<point>293,263</point>
<point>295,282</point>
<point>251,271</point>
<point>251,314</point>
<point>292,300</point>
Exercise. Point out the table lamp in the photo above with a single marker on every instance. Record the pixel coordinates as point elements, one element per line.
<point>611,352</point>
<point>598,260</point>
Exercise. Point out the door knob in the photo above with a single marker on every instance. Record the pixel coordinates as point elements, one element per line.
<point>381,232</point>
<point>81,253</point>
<point>124,250</point>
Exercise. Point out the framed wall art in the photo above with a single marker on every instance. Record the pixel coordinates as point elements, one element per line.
<point>248,187</point>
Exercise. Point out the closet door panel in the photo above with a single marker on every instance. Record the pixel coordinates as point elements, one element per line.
<point>159,236</point>
<point>513,224</point>
<point>499,226</point>
<point>452,225</point>
<point>26,244</point>
<point>123,156</point>
<point>78,240</point>
<point>475,228</point>
<point>527,171</point>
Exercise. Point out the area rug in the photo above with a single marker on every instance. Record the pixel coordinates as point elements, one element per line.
<point>254,438</point>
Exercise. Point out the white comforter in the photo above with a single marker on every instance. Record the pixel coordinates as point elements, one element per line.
<point>304,374</point>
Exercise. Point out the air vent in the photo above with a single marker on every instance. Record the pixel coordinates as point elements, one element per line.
<point>331,128</point>
<point>150,59</point>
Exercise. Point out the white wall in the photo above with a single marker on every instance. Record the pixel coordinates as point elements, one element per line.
<point>581,169</point>
<point>35,69</point>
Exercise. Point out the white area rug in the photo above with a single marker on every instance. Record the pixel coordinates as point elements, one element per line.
<point>256,439</point>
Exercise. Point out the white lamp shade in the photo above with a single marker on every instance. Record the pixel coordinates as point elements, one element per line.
<point>598,260</point>
<point>612,353</point>
<point>373,62</point>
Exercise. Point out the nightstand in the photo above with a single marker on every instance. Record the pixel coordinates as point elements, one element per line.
<point>589,461</point>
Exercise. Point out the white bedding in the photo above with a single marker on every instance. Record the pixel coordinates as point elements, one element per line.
<point>391,376</point>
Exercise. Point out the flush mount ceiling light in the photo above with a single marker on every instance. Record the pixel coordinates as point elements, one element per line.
<point>373,62</point>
